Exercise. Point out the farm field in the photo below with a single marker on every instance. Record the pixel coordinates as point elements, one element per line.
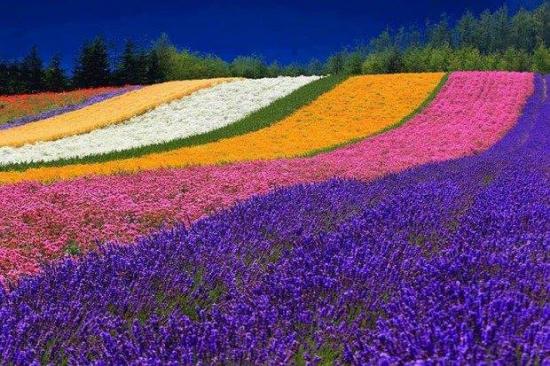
<point>367,219</point>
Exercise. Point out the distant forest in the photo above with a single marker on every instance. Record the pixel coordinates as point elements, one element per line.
<point>491,41</point>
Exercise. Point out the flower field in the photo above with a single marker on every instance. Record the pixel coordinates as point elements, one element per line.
<point>16,110</point>
<point>381,219</point>
<point>111,111</point>
<point>204,111</point>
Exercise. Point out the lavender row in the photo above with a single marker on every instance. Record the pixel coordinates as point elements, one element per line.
<point>447,263</point>
<point>69,108</point>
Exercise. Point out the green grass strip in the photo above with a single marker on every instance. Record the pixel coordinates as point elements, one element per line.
<point>262,118</point>
<point>400,123</point>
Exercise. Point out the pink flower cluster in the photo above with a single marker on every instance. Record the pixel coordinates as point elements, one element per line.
<point>39,222</point>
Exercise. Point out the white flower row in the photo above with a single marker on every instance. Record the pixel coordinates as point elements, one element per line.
<point>203,111</point>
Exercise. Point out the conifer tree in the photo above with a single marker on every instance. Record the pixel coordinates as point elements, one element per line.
<point>55,79</point>
<point>32,72</point>
<point>92,67</point>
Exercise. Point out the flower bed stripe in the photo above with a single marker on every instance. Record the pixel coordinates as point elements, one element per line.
<point>200,113</point>
<point>356,108</point>
<point>108,112</point>
<point>42,222</point>
<point>69,107</point>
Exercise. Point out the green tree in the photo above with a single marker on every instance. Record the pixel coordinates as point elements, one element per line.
<point>132,68</point>
<point>382,62</point>
<point>353,63</point>
<point>32,72</point>
<point>154,71</point>
<point>541,60</point>
<point>500,30</point>
<point>314,67</point>
<point>249,67</point>
<point>467,31</point>
<point>414,59</point>
<point>274,69</point>
<point>335,64</point>
<point>4,78</point>
<point>515,60</point>
<point>524,31</point>
<point>541,18</point>
<point>382,42</point>
<point>165,54</point>
<point>439,34</point>
<point>214,67</point>
<point>92,67</point>
<point>54,78</point>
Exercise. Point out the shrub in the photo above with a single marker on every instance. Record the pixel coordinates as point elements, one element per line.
<point>249,67</point>
<point>541,60</point>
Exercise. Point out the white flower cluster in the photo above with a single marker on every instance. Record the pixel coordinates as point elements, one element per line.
<point>203,111</point>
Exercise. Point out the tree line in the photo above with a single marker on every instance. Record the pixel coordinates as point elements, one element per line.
<point>491,41</point>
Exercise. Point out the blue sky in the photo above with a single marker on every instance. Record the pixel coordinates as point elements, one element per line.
<point>277,30</point>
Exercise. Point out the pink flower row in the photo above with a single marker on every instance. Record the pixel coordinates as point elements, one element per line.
<point>471,112</point>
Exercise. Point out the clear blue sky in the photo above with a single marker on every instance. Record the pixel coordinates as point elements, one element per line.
<point>277,30</point>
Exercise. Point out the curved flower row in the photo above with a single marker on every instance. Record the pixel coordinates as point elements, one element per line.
<point>444,264</point>
<point>108,112</point>
<point>26,105</point>
<point>42,222</point>
<point>68,105</point>
<point>358,107</point>
<point>201,112</point>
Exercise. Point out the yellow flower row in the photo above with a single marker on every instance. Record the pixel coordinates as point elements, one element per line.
<point>358,107</point>
<point>108,112</point>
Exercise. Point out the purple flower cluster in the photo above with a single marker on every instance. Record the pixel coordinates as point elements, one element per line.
<point>68,108</point>
<point>446,263</point>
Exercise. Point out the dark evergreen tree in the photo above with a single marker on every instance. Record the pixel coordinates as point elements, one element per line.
<point>132,68</point>
<point>92,67</point>
<point>32,72</point>
<point>154,71</point>
<point>439,34</point>
<point>54,78</point>
<point>467,31</point>
<point>500,28</point>
<point>4,78</point>
<point>126,66</point>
